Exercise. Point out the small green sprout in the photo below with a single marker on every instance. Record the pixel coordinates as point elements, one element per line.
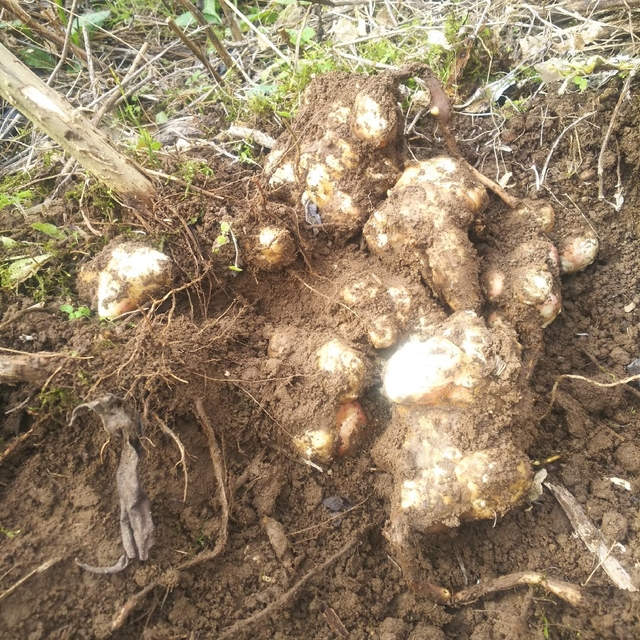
<point>581,82</point>
<point>75,314</point>
<point>226,232</point>
<point>10,534</point>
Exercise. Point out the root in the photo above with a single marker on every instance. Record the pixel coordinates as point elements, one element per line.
<point>568,376</point>
<point>566,591</point>
<point>511,201</point>
<point>43,567</point>
<point>286,597</point>
<point>219,468</point>
<point>183,453</point>
<point>607,135</point>
<point>15,444</point>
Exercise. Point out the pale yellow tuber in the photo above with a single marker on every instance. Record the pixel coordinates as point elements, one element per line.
<point>424,223</point>
<point>455,392</point>
<point>271,248</point>
<point>344,162</point>
<point>124,277</point>
<point>578,251</point>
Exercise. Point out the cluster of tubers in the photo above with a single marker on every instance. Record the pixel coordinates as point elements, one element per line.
<point>456,380</point>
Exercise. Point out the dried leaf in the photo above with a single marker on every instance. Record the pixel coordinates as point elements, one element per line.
<point>136,524</point>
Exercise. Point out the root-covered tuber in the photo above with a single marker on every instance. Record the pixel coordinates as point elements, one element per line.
<point>346,154</point>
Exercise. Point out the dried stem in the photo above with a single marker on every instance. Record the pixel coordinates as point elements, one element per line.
<point>607,135</point>
<point>568,592</point>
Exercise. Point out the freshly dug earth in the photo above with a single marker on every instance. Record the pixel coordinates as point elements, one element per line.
<point>58,486</point>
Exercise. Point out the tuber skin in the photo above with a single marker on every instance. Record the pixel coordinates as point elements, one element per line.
<point>385,309</point>
<point>270,249</point>
<point>124,276</point>
<point>457,460</point>
<point>331,373</point>
<point>424,224</point>
<point>577,251</point>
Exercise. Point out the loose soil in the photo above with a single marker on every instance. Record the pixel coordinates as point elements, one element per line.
<point>57,485</point>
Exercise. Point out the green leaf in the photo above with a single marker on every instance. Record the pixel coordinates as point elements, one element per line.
<point>90,20</point>
<point>50,230</point>
<point>66,308</point>
<point>7,243</point>
<point>37,59</point>
<point>225,227</point>
<point>22,269</point>
<point>185,20</point>
<point>581,83</point>
<point>306,35</point>
<point>161,117</point>
<point>233,267</point>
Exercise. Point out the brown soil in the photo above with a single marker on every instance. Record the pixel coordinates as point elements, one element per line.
<point>57,485</point>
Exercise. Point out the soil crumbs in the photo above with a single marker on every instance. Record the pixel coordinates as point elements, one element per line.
<point>58,499</point>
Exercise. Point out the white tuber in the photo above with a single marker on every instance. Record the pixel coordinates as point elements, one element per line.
<point>374,122</point>
<point>549,309</point>
<point>124,277</point>
<point>445,368</point>
<point>315,444</point>
<point>578,251</point>
<point>385,310</point>
<point>532,285</point>
<point>493,284</point>
<point>274,248</point>
<point>346,369</point>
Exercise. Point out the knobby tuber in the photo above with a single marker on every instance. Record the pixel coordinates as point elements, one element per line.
<point>457,384</point>
<point>349,150</point>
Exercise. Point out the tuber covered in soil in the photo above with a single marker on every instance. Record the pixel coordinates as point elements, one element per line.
<point>457,394</point>
<point>459,391</point>
<point>424,225</point>
<point>455,445</point>
<point>346,154</point>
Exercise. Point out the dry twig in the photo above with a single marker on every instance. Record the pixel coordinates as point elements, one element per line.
<point>568,592</point>
<point>607,135</point>
<point>592,537</point>
<point>43,567</point>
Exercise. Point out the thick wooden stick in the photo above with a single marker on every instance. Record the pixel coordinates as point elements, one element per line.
<point>25,368</point>
<point>75,134</point>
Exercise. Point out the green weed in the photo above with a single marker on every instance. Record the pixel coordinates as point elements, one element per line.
<point>75,313</point>
<point>9,533</point>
